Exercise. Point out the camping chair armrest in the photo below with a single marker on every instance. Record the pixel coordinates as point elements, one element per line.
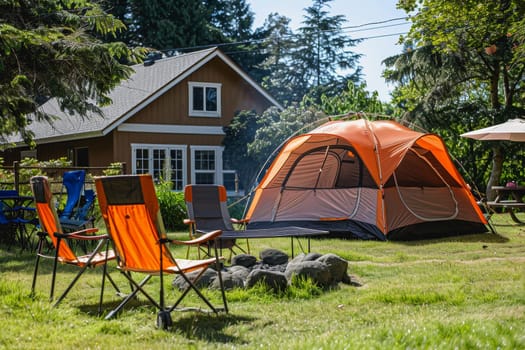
<point>240,221</point>
<point>188,221</point>
<point>86,234</point>
<point>200,240</point>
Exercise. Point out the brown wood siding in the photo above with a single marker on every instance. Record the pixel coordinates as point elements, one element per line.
<point>236,95</point>
<point>99,151</point>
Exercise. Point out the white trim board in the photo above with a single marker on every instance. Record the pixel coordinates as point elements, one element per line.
<point>171,129</point>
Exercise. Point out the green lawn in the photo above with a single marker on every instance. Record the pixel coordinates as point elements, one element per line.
<point>463,292</point>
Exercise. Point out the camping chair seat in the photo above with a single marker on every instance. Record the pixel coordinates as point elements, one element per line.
<point>52,230</point>
<point>94,260</point>
<point>131,213</point>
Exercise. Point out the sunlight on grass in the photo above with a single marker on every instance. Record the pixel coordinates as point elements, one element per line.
<point>463,292</point>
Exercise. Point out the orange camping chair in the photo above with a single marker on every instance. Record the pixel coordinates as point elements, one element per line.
<point>207,210</point>
<point>50,228</point>
<point>130,209</point>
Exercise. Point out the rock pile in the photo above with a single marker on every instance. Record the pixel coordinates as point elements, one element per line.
<point>276,271</point>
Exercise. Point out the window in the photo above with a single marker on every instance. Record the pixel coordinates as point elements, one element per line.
<point>163,162</point>
<point>78,156</point>
<point>205,99</point>
<point>206,165</point>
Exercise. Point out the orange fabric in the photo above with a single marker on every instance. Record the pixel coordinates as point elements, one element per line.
<point>222,194</point>
<point>135,230</point>
<point>381,145</point>
<point>49,222</point>
<point>188,194</point>
<point>136,239</point>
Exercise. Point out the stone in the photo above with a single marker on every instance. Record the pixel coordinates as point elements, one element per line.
<point>274,280</point>
<point>337,265</point>
<point>245,260</point>
<point>273,257</point>
<point>206,279</point>
<point>317,271</point>
<point>240,272</point>
<point>230,281</point>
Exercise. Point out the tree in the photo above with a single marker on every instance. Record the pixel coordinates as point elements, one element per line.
<point>278,43</point>
<point>49,51</point>
<point>473,48</point>
<point>323,53</point>
<point>252,140</point>
<point>162,24</point>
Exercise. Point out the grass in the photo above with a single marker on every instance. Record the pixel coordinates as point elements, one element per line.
<point>464,292</point>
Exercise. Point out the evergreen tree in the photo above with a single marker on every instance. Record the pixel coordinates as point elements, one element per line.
<point>49,51</point>
<point>323,53</point>
<point>277,41</point>
<point>164,24</point>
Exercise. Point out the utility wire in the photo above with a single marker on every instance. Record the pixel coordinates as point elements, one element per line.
<point>343,29</point>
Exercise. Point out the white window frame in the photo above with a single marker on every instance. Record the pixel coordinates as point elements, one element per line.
<point>204,113</point>
<point>167,149</point>
<point>218,162</point>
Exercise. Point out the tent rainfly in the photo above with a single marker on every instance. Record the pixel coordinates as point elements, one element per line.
<point>366,179</point>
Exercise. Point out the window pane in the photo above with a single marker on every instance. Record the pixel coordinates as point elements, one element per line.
<point>205,178</point>
<point>159,156</point>
<point>229,181</point>
<point>142,161</point>
<point>198,98</point>
<point>204,160</point>
<point>176,169</point>
<point>211,99</point>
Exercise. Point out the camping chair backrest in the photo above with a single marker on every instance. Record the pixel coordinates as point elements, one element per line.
<point>84,211</point>
<point>47,215</point>
<point>73,181</point>
<point>130,209</point>
<point>207,207</point>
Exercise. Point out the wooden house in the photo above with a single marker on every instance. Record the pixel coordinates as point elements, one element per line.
<point>167,119</point>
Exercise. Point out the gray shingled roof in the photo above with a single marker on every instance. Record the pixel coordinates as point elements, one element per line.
<point>145,82</point>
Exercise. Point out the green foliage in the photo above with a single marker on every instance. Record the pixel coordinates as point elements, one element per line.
<point>462,70</point>
<point>113,169</point>
<point>172,206</point>
<point>354,98</point>
<point>49,51</point>
<point>322,52</point>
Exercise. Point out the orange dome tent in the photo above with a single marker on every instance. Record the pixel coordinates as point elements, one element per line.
<point>369,179</point>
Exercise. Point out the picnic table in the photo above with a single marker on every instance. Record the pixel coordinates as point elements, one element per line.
<point>510,199</point>
<point>13,214</point>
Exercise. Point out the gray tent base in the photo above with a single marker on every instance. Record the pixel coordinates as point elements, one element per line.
<point>359,230</point>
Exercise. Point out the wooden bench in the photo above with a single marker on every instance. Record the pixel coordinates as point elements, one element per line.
<point>509,206</point>
<point>506,204</point>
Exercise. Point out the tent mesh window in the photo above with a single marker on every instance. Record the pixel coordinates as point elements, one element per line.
<point>327,168</point>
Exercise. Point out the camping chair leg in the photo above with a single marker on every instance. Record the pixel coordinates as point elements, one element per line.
<point>110,279</point>
<point>82,269</point>
<point>137,287</point>
<point>51,294</point>
<point>221,284</point>
<point>191,286</point>
<point>104,273</point>
<point>38,252</point>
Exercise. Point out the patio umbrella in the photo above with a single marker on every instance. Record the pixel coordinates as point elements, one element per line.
<point>511,130</point>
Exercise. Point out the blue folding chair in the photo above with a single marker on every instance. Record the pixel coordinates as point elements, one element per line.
<point>77,212</point>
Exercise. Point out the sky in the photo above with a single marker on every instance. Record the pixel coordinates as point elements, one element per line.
<point>356,12</point>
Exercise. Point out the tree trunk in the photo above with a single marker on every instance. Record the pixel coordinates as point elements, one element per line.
<point>495,174</point>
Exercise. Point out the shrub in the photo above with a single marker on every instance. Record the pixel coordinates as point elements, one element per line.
<point>172,206</point>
